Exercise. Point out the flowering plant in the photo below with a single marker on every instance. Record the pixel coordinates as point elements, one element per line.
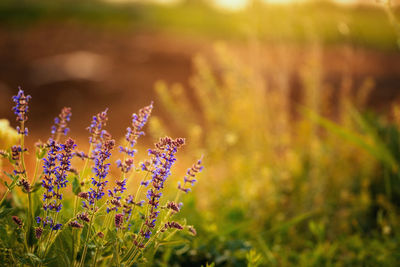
<point>106,224</point>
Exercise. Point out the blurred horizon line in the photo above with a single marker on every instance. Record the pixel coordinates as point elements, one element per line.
<point>236,5</point>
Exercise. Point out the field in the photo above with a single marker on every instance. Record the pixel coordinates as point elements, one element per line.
<point>292,109</point>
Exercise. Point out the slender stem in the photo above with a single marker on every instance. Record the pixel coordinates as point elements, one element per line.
<point>169,213</point>
<point>86,240</point>
<point>73,244</point>
<point>117,248</point>
<point>22,143</point>
<point>36,171</point>
<point>30,215</point>
<point>134,258</point>
<point>81,178</point>
<point>57,233</point>
<point>138,238</point>
<point>95,257</point>
<point>47,243</point>
<point>4,196</point>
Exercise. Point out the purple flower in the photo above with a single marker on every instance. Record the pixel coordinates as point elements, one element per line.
<point>25,185</point>
<point>17,221</point>
<point>16,153</point>
<point>38,232</point>
<point>75,224</point>
<point>64,159</point>
<point>49,169</point>
<point>57,227</point>
<point>190,176</point>
<point>163,159</point>
<point>132,135</point>
<point>61,121</point>
<point>100,169</point>
<point>119,219</point>
<point>125,166</point>
<point>116,193</point>
<point>84,217</point>
<point>21,109</point>
<point>96,127</point>
<point>173,206</point>
<point>134,132</point>
<point>56,165</point>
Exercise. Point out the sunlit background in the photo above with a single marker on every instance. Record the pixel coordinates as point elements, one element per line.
<point>291,102</point>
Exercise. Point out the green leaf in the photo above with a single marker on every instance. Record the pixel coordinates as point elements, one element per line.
<point>62,247</point>
<point>253,258</point>
<point>376,149</point>
<point>33,257</point>
<point>172,243</point>
<point>30,236</point>
<point>76,187</point>
<point>40,153</point>
<point>14,179</point>
<point>36,187</point>
<point>11,176</point>
<point>5,212</point>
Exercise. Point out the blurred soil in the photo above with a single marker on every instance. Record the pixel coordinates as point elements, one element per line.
<point>90,68</point>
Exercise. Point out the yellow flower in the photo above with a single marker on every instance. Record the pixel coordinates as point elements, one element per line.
<point>8,135</point>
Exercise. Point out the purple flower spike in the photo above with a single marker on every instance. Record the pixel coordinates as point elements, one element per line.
<point>101,169</point>
<point>132,135</point>
<point>190,176</point>
<point>21,109</point>
<point>56,165</point>
<point>96,127</point>
<point>163,159</point>
<point>61,122</point>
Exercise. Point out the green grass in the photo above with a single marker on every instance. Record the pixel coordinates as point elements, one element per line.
<point>321,22</point>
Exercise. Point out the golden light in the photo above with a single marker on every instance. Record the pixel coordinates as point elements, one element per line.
<point>231,4</point>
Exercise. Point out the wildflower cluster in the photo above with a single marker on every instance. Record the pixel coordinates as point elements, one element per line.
<point>133,133</point>
<point>124,212</point>
<point>163,158</point>
<point>50,170</point>
<point>101,169</point>
<point>56,165</point>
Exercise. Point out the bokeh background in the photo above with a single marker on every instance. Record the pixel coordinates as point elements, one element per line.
<point>292,104</point>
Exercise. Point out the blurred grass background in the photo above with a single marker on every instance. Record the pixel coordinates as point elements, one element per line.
<point>293,107</point>
<point>327,22</point>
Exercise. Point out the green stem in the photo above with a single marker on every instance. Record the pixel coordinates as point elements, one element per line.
<point>36,171</point>
<point>4,196</point>
<point>95,257</point>
<point>86,241</point>
<point>134,258</point>
<point>166,217</point>
<point>47,243</point>
<point>81,178</point>
<point>57,233</point>
<point>22,143</point>
<point>30,215</point>
<point>117,248</point>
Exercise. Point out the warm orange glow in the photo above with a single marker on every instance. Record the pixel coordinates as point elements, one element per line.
<point>233,4</point>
